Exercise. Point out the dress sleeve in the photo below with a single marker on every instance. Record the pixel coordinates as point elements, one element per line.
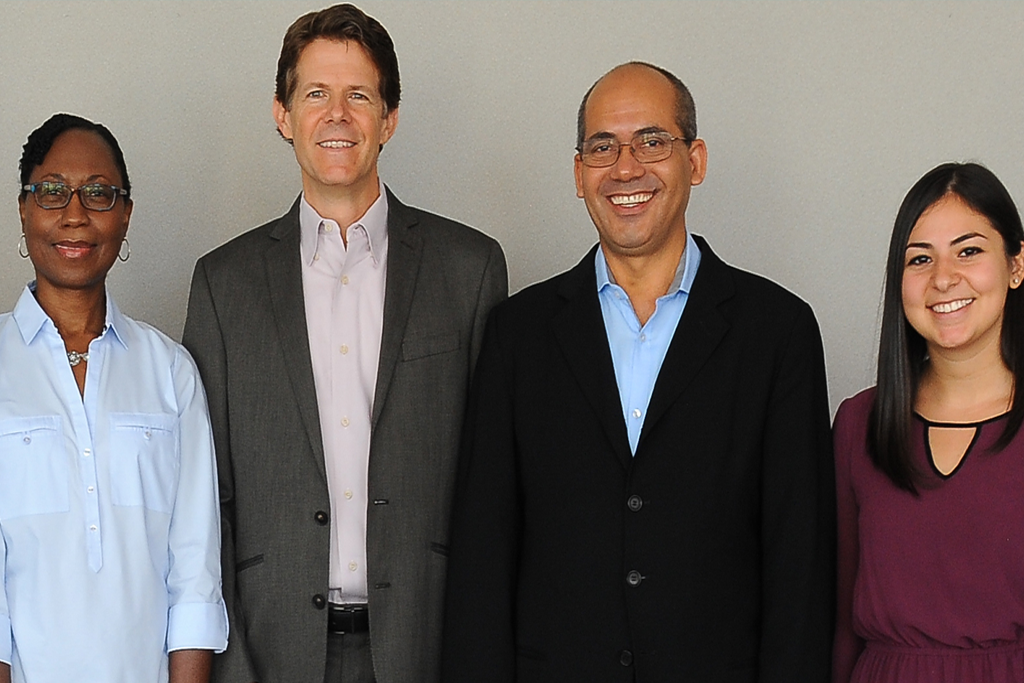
<point>847,646</point>
<point>197,617</point>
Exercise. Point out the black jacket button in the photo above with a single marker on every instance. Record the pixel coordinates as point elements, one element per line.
<point>626,658</point>
<point>321,517</point>
<point>635,503</point>
<point>634,578</point>
<point>319,601</point>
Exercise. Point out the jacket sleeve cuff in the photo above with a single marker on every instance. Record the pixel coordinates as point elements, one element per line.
<point>195,626</point>
<point>6,639</point>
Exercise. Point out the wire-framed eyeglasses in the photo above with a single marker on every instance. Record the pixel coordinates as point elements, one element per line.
<point>646,148</point>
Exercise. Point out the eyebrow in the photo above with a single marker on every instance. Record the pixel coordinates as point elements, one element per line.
<point>606,135</point>
<point>958,240</point>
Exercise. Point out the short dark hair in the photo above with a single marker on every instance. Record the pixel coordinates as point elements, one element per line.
<point>340,23</point>
<point>42,138</point>
<point>902,352</point>
<point>686,110</point>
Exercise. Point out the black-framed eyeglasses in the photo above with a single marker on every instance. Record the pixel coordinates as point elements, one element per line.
<point>51,194</point>
<point>647,148</point>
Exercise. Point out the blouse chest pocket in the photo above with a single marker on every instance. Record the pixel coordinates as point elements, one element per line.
<point>33,467</point>
<point>144,460</point>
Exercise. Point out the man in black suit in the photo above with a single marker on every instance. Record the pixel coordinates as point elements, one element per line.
<point>645,487</point>
<point>336,344</point>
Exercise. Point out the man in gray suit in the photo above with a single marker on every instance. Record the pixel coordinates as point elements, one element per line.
<point>336,344</point>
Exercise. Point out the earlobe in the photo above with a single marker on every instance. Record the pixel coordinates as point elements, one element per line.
<point>281,117</point>
<point>1017,268</point>
<point>390,125</point>
<point>577,171</point>
<point>698,161</point>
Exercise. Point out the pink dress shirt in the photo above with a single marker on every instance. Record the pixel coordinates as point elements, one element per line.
<point>343,290</point>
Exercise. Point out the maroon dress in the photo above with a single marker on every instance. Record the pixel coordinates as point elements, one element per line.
<point>931,587</point>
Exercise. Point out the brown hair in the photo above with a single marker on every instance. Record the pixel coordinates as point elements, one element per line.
<point>341,23</point>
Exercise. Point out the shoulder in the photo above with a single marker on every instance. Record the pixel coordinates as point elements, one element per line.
<point>439,232</point>
<point>749,289</point>
<point>250,245</point>
<point>147,342</point>
<point>857,407</point>
<point>850,426</point>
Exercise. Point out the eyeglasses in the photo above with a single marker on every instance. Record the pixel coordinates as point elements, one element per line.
<point>647,148</point>
<point>94,196</point>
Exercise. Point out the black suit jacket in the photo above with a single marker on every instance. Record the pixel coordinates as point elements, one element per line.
<point>709,556</point>
<point>246,329</point>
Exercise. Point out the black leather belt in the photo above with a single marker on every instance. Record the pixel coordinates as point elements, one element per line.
<point>348,618</point>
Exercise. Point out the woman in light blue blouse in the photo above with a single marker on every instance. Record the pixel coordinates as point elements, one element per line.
<point>109,526</point>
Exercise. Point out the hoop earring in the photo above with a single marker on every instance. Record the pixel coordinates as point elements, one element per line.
<point>125,257</point>
<point>23,246</point>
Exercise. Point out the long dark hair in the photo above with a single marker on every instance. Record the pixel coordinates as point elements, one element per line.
<point>902,353</point>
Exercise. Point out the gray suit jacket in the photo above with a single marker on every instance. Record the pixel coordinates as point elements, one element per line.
<point>246,330</point>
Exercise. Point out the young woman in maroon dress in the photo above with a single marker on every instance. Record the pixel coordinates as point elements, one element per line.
<point>930,462</point>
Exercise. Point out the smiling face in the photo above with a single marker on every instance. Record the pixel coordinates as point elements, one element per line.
<point>73,247</point>
<point>638,209</point>
<point>337,122</point>
<point>956,277</point>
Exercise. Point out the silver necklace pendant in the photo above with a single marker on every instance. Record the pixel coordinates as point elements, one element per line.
<point>74,357</point>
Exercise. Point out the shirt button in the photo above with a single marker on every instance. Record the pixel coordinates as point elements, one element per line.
<point>634,578</point>
<point>316,257</point>
<point>626,658</point>
<point>343,349</point>
<point>27,439</point>
<point>344,422</point>
<point>348,493</point>
<point>86,453</point>
<point>344,279</point>
<point>352,566</point>
<point>319,601</point>
<point>92,527</point>
<point>635,503</point>
<point>328,227</point>
<point>643,337</point>
<point>636,412</point>
<point>321,517</point>
<point>91,489</point>
<point>147,434</point>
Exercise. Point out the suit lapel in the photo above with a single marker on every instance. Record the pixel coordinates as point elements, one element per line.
<point>699,332</point>
<point>579,330</point>
<point>284,279</point>
<point>405,251</point>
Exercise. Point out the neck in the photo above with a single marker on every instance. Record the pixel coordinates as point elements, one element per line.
<point>343,205</point>
<point>79,314</point>
<point>960,387</point>
<point>645,277</point>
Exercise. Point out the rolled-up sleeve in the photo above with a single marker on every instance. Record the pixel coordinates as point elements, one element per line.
<point>197,617</point>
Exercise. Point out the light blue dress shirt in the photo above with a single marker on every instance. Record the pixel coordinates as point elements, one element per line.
<point>109,517</point>
<point>638,352</point>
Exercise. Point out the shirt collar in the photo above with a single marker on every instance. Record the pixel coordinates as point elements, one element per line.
<point>374,221</point>
<point>30,317</point>
<point>686,269</point>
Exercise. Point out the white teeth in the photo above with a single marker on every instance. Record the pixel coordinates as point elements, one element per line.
<point>950,306</point>
<point>629,199</point>
<point>337,144</point>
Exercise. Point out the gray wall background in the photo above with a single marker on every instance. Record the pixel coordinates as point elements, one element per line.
<point>818,117</point>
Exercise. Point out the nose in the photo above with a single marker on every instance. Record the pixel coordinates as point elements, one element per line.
<point>337,109</point>
<point>626,167</point>
<point>74,213</point>
<point>946,273</point>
